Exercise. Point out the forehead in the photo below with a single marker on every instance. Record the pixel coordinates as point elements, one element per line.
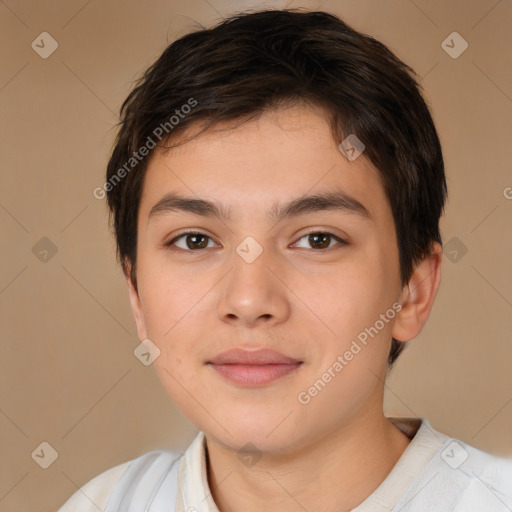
<point>261,163</point>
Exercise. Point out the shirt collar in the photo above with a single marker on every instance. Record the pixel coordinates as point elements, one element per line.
<point>194,491</point>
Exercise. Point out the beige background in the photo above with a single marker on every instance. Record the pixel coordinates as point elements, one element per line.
<point>68,373</point>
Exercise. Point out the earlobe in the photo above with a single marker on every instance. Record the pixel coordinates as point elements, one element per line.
<point>418,296</point>
<point>136,305</point>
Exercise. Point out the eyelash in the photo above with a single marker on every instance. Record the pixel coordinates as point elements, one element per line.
<point>340,241</point>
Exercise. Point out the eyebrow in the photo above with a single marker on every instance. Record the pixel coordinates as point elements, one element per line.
<point>339,201</point>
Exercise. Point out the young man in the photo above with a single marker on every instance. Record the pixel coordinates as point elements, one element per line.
<point>275,189</point>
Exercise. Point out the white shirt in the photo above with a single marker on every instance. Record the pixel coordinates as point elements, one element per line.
<point>435,472</point>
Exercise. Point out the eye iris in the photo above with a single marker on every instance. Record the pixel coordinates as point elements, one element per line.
<point>313,240</point>
<point>193,245</point>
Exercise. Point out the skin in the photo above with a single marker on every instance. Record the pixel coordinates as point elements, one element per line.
<point>307,302</point>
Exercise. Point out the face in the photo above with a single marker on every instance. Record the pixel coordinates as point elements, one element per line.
<point>306,283</point>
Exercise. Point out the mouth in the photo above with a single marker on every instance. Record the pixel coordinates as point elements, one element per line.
<point>253,368</point>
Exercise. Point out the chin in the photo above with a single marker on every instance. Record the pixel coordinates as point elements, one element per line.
<point>267,432</point>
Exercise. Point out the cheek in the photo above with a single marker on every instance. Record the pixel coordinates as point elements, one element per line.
<point>174,314</point>
<point>170,299</point>
<point>177,307</point>
<point>349,301</point>
<point>351,293</point>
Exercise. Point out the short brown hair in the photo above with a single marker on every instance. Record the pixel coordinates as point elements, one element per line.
<point>252,62</point>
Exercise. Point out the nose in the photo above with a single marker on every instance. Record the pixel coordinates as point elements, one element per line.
<point>254,293</point>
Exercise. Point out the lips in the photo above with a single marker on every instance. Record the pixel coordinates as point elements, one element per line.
<point>253,368</point>
<point>252,357</point>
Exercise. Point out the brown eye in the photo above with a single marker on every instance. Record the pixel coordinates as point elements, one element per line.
<point>321,240</point>
<point>192,241</point>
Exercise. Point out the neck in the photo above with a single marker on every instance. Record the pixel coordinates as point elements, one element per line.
<point>350,462</point>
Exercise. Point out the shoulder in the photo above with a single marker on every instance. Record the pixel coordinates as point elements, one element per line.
<point>464,478</point>
<point>488,477</point>
<point>95,494</point>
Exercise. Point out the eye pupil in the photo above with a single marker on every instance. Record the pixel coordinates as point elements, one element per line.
<point>313,240</point>
<point>193,245</point>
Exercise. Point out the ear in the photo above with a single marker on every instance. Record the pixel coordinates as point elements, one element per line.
<point>138,313</point>
<point>417,297</point>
